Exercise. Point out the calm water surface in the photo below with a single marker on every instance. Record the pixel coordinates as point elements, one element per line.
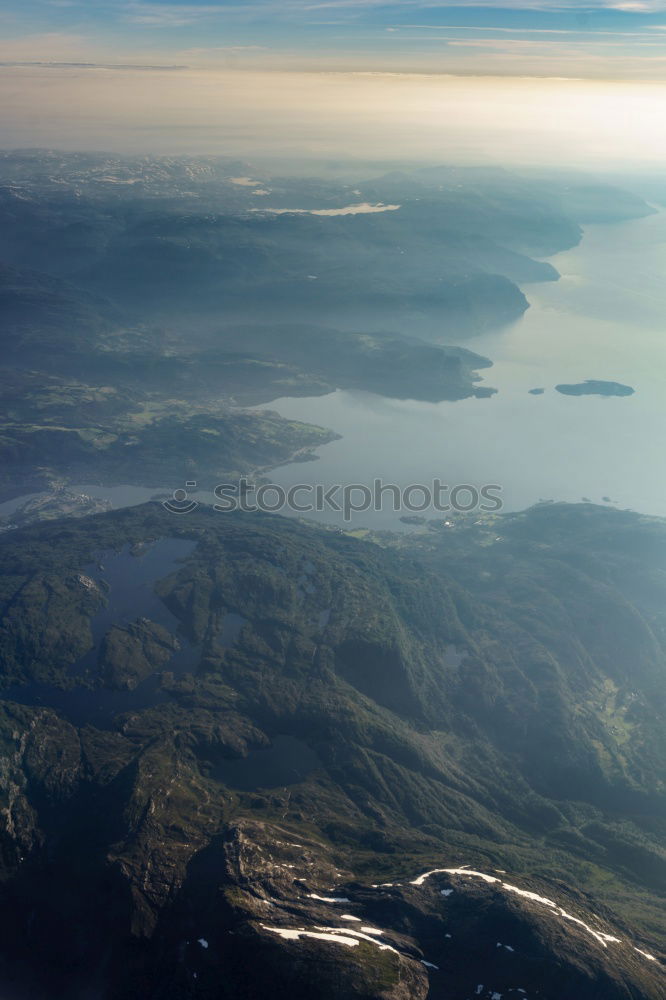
<point>604,319</point>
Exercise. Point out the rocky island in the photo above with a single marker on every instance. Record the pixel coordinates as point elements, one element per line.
<point>595,387</point>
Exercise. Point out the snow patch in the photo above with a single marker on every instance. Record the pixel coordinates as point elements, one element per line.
<point>453,871</point>
<point>362,937</point>
<point>529,895</point>
<point>646,954</point>
<point>295,935</point>
<point>602,937</point>
<point>470,872</point>
<point>329,899</point>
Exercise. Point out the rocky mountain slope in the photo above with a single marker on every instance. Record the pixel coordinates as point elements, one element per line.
<point>244,755</point>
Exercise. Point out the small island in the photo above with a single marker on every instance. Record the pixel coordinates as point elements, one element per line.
<point>536,392</point>
<point>595,387</point>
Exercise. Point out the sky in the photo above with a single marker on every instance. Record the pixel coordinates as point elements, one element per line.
<point>599,39</point>
<point>543,82</point>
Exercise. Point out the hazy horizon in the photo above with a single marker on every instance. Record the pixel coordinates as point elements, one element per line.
<point>355,116</point>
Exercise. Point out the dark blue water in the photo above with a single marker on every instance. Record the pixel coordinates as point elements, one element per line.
<point>287,761</point>
<point>128,579</point>
<point>231,628</point>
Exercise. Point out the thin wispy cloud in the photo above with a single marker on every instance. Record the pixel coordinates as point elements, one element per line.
<point>440,28</point>
<point>169,15</point>
<point>335,35</point>
<point>641,6</point>
<point>289,8</point>
<point>512,45</point>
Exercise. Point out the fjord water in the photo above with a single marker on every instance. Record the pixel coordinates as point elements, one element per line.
<point>127,579</point>
<point>604,319</point>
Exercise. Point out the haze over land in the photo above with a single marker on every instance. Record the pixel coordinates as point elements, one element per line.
<point>343,117</point>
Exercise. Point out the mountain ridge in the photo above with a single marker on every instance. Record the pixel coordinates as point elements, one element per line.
<point>393,714</point>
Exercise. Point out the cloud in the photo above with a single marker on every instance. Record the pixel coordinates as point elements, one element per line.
<point>52,46</point>
<point>508,44</point>
<point>361,35</point>
<point>631,6</point>
<point>589,33</point>
<point>121,67</point>
<point>179,14</point>
<point>212,49</point>
<point>169,15</point>
<point>634,6</point>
